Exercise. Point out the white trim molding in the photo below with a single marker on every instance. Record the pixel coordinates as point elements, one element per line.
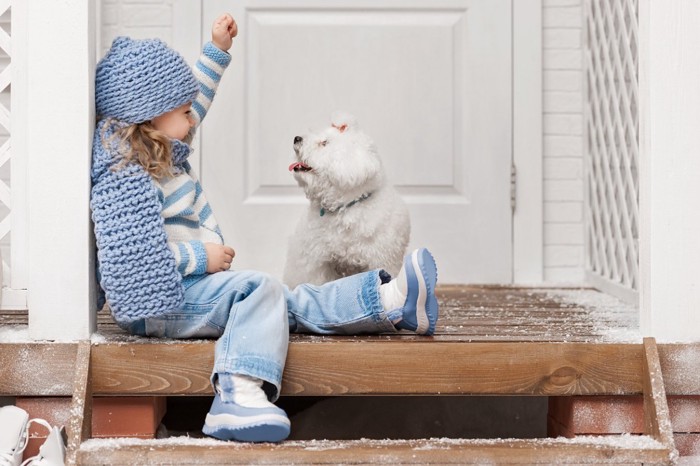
<point>669,170</point>
<point>528,218</point>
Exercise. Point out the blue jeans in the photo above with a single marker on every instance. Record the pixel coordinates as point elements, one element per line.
<point>252,313</point>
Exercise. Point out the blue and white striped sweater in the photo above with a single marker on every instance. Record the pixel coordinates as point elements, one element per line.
<point>188,222</point>
<point>188,218</point>
<point>208,71</point>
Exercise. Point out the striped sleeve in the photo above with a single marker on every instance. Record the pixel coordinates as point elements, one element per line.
<point>190,257</point>
<point>208,71</point>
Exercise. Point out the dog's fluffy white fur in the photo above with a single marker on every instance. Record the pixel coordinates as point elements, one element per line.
<point>355,221</point>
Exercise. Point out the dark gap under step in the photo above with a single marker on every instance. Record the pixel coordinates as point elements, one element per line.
<point>387,417</point>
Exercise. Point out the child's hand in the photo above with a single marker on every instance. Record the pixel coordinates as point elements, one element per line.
<point>223,31</point>
<point>219,257</point>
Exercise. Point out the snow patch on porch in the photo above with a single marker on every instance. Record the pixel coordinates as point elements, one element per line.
<point>615,320</point>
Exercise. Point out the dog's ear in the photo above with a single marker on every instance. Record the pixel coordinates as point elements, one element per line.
<point>343,121</point>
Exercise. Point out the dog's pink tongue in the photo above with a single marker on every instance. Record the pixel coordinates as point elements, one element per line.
<point>294,165</point>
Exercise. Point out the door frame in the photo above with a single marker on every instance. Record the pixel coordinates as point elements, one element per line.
<point>528,218</point>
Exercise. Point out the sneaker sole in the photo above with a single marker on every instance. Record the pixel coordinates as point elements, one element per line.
<point>426,304</point>
<point>263,428</point>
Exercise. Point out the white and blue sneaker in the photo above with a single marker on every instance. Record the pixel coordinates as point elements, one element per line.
<point>414,287</point>
<point>230,421</point>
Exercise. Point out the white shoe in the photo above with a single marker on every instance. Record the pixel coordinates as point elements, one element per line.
<point>13,435</point>
<point>53,450</point>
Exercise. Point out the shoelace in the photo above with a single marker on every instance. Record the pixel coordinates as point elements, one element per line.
<point>6,459</point>
<point>37,458</point>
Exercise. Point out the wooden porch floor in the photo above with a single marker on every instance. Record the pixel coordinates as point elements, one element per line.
<point>549,341</point>
<point>481,314</point>
<point>476,313</point>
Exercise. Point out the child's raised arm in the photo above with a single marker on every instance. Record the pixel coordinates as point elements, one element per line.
<point>212,64</point>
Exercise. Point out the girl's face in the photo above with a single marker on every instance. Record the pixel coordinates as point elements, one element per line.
<point>176,123</point>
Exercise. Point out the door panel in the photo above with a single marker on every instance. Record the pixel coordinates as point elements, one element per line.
<point>429,81</point>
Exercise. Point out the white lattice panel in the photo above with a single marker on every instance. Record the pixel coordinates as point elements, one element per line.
<point>12,173</point>
<point>612,157</point>
<point>5,139</point>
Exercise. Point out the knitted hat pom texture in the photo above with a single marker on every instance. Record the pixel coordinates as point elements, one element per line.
<point>138,80</point>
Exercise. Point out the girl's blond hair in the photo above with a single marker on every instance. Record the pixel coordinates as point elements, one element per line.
<point>144,145</point>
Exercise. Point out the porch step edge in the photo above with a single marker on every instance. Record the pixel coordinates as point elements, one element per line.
<point>618,449</point>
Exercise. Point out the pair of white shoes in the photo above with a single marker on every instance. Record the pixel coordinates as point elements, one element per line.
<point>14,435</point>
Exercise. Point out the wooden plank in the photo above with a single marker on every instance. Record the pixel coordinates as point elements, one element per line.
<point>13,317</point>
<point>498,313</point>
<point>470,335</point>
<point>512,288</point>
<point>606,450</point>
<point>152,368</point>
<point>353,367</point>
<point>657,420</point>
<point>680,364</point>
<point>469,368</point>
<point>37,369</point>
<point>80,422</point>
<point>464,335</point>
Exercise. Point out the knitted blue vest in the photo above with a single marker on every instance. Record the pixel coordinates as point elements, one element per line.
<point>137,269</point>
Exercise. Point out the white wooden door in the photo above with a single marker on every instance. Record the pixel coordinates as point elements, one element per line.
<point>429,80</point>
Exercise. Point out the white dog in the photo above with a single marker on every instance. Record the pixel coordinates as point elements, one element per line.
<point>356,221</point>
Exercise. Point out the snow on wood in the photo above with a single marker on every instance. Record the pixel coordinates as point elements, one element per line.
<point>623,441</point>
<point>14,334</point>
<point>613,320</point>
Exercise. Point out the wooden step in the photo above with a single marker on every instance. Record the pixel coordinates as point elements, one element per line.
<point>607,450</point>
<point>346,366</point>
<point>322,366</point>
<point>504,313</point>
<point>371,366</point>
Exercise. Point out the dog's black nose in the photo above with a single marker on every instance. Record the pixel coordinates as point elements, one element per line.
<point>298,139</point>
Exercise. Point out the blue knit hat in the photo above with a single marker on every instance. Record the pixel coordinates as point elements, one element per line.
<point>140,79</point>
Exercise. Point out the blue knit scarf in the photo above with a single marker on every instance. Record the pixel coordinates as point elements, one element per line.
<point>137,270</point>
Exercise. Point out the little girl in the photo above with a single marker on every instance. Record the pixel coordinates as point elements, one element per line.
<point>163,264</point>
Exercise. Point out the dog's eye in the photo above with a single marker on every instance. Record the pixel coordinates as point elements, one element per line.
<point>323,143</point>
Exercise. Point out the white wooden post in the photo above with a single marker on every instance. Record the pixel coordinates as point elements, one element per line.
<point>59,60</point>
<point>670,169</point>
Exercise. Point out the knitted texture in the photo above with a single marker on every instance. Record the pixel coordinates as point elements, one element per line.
<point>137,269</point>
<point>138,80</point>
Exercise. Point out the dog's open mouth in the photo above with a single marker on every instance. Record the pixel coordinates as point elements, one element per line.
<point>299,167</point>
